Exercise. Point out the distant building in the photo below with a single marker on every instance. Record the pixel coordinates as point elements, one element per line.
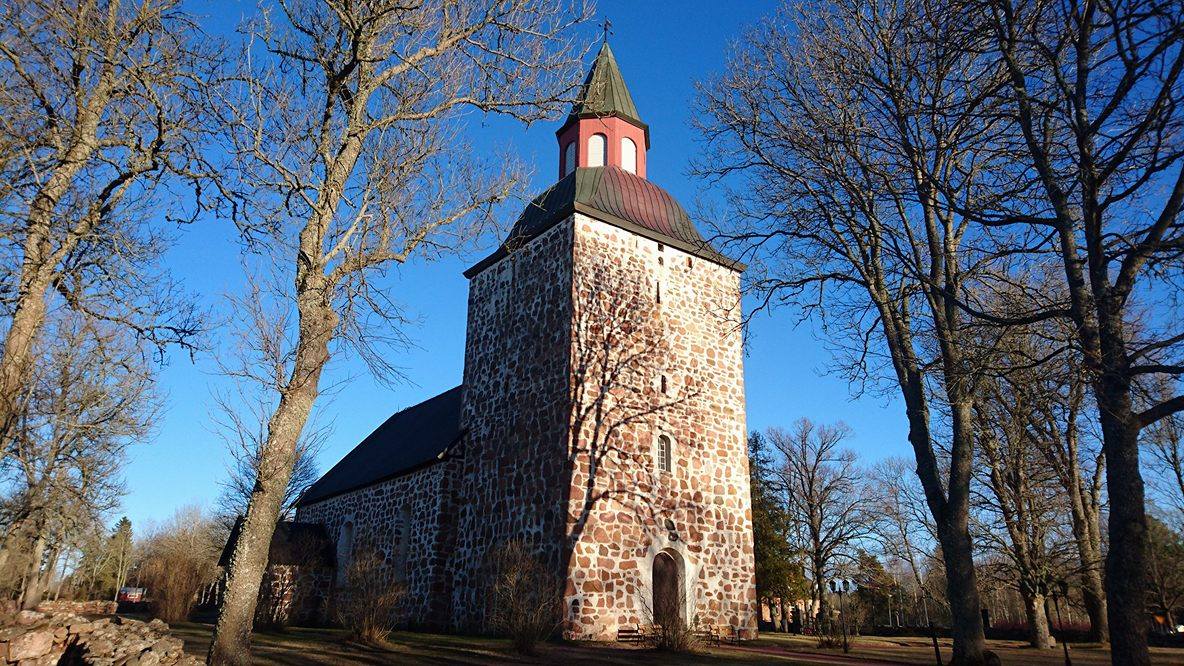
<point>601,419</point>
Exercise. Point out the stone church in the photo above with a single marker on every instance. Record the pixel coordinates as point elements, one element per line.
<point>601,420</point>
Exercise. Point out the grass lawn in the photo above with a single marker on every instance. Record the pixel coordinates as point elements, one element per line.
<point>301,647</point>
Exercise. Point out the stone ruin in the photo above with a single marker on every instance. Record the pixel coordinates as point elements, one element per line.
<point>37,638</point>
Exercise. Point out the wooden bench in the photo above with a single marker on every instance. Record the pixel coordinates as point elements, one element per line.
<point>709,634</point>
<point>633,634</point>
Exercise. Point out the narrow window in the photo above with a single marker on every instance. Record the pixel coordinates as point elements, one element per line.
<point>597,145</point>
<point>403,544</point>
<point>664,388</point>
<point>569,158</point>
<point>661,247</point>
<point>628,155</point>
<point>345,547</point>
<point>689,264</point>
<point>658,293</point>
<point>664,457</point>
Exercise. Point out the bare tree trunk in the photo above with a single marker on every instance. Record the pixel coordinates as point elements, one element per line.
<point>16,362</point>
<point>31,598</point>
<point>1085,533</point>
<point>951,518</point>
<point>248,563</point>
<point>1126,561</point>
<point>1034,610</point>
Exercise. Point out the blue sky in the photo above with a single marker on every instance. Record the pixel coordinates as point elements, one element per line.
<point>662,51</point>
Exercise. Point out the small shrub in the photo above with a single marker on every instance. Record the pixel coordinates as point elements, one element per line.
<point>668,631</point>
<point>365,606</point>
<point>527,597</point>
<point>176,561</point>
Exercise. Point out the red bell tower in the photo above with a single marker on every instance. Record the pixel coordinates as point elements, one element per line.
<point>603,128</point>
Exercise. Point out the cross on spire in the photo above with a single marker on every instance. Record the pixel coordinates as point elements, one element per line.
<point>606,26</point>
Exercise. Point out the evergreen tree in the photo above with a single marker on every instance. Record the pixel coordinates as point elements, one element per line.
<point>778,571</point>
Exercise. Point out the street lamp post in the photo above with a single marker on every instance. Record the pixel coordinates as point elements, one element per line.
<point>1062,586</point>
<point>842,586</point>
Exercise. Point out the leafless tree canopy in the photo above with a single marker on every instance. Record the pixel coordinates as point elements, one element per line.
<point>823,492</point>
<point>91,396</point>
<point>100,116</point>
<point>848,192</point>
<point>344,132</point>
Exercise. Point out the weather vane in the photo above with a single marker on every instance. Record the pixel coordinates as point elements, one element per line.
<point>607,27</point>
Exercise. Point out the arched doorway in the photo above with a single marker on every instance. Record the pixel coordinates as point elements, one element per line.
<point>667,587</point>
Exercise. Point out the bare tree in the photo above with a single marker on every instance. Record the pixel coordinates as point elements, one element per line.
<point>176,560</point>
<point>347,156</point>
<point>1093,106</point>
<point>241,422</point>
<point>1165,443</point>
<point>527,595</point>
<point>91,396</point>
<point>1042,388</point>
<point>98,115</point>
<point>902,523</point>
<point>851,132</point>
<point>367,610</point>
<point>826,506</point>
<point>1022,500</point>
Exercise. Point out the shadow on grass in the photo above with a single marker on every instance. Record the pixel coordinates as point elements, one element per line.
<point>304,647</point>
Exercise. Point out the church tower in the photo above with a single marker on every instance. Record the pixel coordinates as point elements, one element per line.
<point>603,396</point>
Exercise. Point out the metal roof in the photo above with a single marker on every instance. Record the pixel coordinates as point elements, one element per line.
<point>604,93</point>
<point>413,438</point>
<point>615,196</point>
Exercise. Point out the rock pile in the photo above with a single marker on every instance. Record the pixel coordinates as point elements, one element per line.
<point>91,607</point>
<point>40,639</point>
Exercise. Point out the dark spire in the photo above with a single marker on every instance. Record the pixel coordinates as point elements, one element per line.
<point>604,92</point>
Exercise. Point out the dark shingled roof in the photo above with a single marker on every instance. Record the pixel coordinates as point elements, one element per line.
<point>412,438</point>
<point>604,93</point>
<point>618,197</point>
<point>305,544</point>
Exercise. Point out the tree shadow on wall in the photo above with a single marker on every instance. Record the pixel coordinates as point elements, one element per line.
<point>625,393</point>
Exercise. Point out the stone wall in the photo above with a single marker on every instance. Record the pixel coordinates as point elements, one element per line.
<point>592,330</point>
<point>677,370</point>
<point>399,520</point>
<point>89,607</point>
<point>40,639</point>
<point>293,594</point>
<point>510,478</point>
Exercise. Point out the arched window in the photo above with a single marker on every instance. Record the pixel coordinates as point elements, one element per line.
<point>665,457</point>
<point>345,547</point>
<point>628,155</point>
<point>569,158</point>
<point>597,147</point>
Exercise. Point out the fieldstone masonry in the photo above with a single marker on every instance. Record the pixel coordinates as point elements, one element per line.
<point>601,418</point>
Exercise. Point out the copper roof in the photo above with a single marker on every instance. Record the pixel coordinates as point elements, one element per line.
<point>604,93</point>
<point>615,196</point>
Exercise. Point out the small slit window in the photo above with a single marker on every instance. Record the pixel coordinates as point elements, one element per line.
<point>664,453</point>
<point>665,388</point>
<point>597,145</point>
<point>628,155</point>
<point>403,543</point>
<point>658,292</point>
<point>345,548</point>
